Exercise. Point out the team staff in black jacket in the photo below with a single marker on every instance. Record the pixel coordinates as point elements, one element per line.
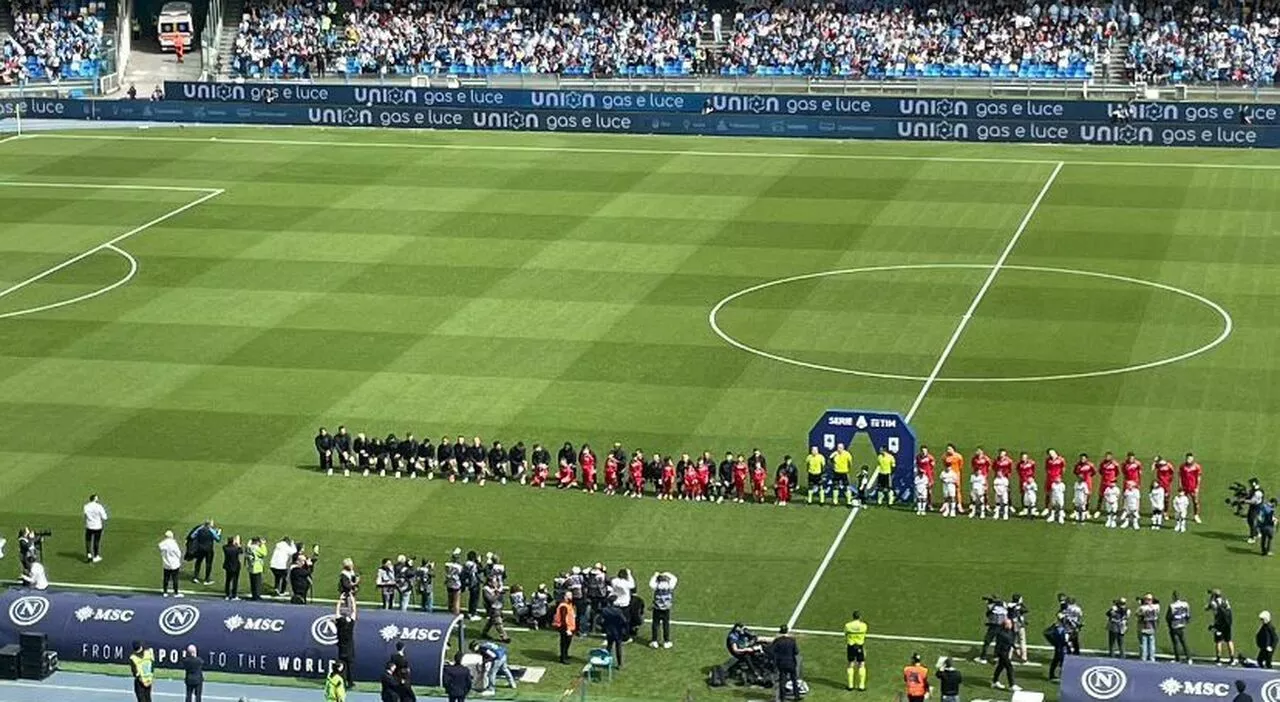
<point>324,447</point>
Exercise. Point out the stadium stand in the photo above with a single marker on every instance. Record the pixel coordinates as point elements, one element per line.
<point>1176,44</point>
<point>53,39</point>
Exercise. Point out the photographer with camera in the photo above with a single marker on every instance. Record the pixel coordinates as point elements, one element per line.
<point>1266,521</point>
<point>1251,499</point>
<point>492,594</point>
<point>1220,607</point>
<point>300,580</point>
<point>1117,627</point>
<point>424,578</point>
<point>1177,617</point>
<point>1073,618</point>
<point>1148,620</point>
<point>997,613</point>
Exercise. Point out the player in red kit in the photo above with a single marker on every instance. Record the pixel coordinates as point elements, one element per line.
<point>690,486</point>
<point>1004,465</point>
<point>636,488</point>
<point>740,473</point>
<point>1109,472</point>
<point>759,475</point>
<point>667,480</point>
<point>587,460</point>
<point>1189,474</point>
<point>1164,474</point>
<point>706,467</point>
<point>1085,471</point>
<point>1054,467</point>
<point>782,489</point>
<point>926,464</point>
<point>564,476</point>
<point>611,475</point>
<point>1131,469</point>
<point>1026,476</point>
<point>540,474</point>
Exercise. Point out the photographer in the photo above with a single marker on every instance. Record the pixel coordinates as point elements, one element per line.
<point>1254,499</point>
<point>997,613</point>
<point>1148,620</point>
<point>348,580</point>
<point>663,585</point>
<point>300,575</point>
<point>385,580</point>
<point>35,577</point>
<point>453,581</point>
<point>1267,525</point>
<point>471,583</point>
<point>746,651</point>
<point>28,547</point>
<point>1018,611</point>
<point>200,546</point>
<point>1223,641</point>
<point>1073,617</point>
<point>1117,627</point>
<point>1177,617</point>
<point>493,592</point>
<point>424,579</point>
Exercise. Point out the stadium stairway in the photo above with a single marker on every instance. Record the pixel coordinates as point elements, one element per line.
<point>1117,53</point>
<point>231,15</point>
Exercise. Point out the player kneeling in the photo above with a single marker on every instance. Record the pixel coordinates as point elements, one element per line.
<point>1001,487</point>
<point>1111,504</point>
<point>1080,502</point>
<point>921,485</point>
<point>1132,500</point>
<point>1057,502</point>
<point>978,495</point>
<point>1156,498</point>
<point>950,504</point>
<point>1181,507</point>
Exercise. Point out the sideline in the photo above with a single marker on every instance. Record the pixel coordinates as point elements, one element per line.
<point>647,152</point>
<point>929,381</point>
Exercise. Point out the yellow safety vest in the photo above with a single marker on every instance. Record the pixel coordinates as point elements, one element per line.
<point>855,632</point>
<point>143,667</point>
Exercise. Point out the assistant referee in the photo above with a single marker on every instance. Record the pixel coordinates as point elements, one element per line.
<point>855,639</point>
<point>841,465</point>
<point>815,463</point>
<point>885,463</point>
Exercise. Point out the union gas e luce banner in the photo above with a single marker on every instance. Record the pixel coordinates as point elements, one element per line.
<point>1112,680</point>
<point>259,638</point>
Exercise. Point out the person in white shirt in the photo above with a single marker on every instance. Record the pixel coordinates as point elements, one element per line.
<point>922,492</point>
<point>35,577</point>
<point>1080,502</point>
<point>977,495</point>
<point>949,480</point>
<point>1057,502</point>
<point>171,561</point>
<point>1157,497</point>
<point>281,557</point>
<point>1111,504</point>
<point>1000,485</point>
<point>1181,506</point>
<point>95,518</point>
<point>1132,499</point>
<point>620,589</point>
<point>1030,498</point>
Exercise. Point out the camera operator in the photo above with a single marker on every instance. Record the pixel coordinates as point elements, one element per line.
<point>1177,617</point>
<point>997,615</point>
<point>1117,627</point>
<point>1221,627</point>
<point>1018,612</point>
<point>1255,499</point>
<point>746,650</point>
<point>27,546</point>
<point>300,580</point>
<point>493,592</point>
<point>1073,616</point>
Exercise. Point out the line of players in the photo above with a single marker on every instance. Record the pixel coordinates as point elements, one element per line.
<point>737,478</point>
<point>1118,498</point>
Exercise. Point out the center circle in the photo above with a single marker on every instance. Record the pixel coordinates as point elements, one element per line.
<point>1227,323</point>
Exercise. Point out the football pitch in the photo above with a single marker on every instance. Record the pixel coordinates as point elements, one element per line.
<point>181,309</point>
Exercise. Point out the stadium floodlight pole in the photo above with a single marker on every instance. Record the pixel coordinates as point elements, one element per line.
<point>932,378</point>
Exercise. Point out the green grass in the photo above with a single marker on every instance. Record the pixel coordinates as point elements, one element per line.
<point>554,287</point>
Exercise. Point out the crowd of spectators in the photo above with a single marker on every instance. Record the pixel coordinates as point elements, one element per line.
<point>52,39</point>
<point>1222,43</point>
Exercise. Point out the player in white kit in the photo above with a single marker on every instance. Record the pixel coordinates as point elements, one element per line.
<point>1111,504</point>
<point>1080,502</point>
<point>1057,502</point>
<point>1132,499</point>
<point>1181,505</point>
<point>921,492</point>
<point>977,495</point>
<point>949,489</point>
<point>1000,486</point>
<point>1156,497</point>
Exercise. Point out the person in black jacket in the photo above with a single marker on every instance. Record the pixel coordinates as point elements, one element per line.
<point>344,622</point>
<point>949,680</point>
<point>391,684</point>
<point>1266,639</point>
<point>455,678</point>
<point>300,575</point>
<point>517,462</point>
<point>786,658</point>
<point>616,624</point>
<point>193,674</point>
<point>1006,640</point>
<point>342,447</point>
<point>232,554</point>
<point>202,540</point>
<point>324,448</point>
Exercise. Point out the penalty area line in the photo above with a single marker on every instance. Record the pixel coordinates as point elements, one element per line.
<point>931,379</point>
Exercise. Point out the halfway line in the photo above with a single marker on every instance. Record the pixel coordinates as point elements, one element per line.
<point>930,380</point>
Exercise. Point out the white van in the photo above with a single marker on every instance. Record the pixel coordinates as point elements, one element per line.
<point>175,24</point>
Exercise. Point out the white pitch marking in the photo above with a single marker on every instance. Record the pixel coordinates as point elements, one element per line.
<point>133,270</point>
<point>982,292</point>
<point>136,230</point>
<point>1228,324</point>
<point>928,383</point>
<point>652,152</point>
<point>104,186</point>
